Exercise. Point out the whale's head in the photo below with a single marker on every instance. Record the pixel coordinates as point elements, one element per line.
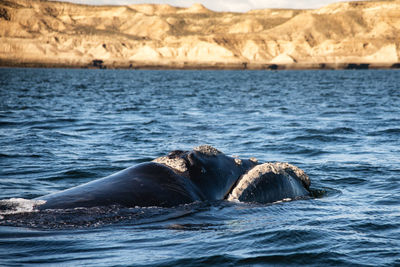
<point>214,172</point>
<point>210,170</point>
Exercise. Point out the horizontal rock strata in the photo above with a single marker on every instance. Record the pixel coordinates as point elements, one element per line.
<point>57,34</point>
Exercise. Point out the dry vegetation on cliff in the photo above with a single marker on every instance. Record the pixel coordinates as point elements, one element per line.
<point>43,33</point>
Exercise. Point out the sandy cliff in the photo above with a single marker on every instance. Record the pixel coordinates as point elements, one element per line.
<point>354,34</point>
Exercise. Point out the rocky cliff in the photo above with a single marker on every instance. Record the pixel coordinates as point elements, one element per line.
<point>342,35</point>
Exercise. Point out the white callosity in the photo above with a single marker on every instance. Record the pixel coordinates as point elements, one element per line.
<point>207,150</point>
<point>177,163</point>
<point>238,161</point>
<point>256,174</point>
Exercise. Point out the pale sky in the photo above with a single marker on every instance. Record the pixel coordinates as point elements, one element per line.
<point>221,5</point>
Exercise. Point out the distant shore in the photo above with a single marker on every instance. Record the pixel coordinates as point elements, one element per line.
<point>52,34</point>
<point>98,64</point>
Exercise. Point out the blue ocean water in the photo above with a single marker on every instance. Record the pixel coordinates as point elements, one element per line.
<point>60,128</point>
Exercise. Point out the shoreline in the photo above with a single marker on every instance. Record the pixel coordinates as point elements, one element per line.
<point>65,35</point>
<point>99,64</point>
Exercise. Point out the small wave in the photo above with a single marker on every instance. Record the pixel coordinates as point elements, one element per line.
<point>129,109</point>
<point>318,137</point>
<point>80,86</point>
<point>375,226</point>
<point>307,152</point>
<point>295,149</point>
<point>337,130</point>
<point>391,131</point>
<point>150,122</point>
<point>19,155</point>
<point>295,258</point>
<point>336,113</point>
<point>18,205</point>
<point>212,260</point>
<point>8,123</point>
<point>387,202</point>
<point>348,181</point>
<point>254,129</point>
<point>47,123</point>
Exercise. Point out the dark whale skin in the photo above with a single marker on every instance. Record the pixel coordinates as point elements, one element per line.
<point>146,184</point>
<point>182,177</point>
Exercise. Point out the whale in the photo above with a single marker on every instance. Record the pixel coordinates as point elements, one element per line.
<point>182,177</point>
<point>271,182</point>
<point>202,174</point>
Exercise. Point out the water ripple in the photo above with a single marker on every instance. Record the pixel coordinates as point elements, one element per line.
<point>60,128</point>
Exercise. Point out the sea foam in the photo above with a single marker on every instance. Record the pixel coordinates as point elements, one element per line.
<point>18,205</point>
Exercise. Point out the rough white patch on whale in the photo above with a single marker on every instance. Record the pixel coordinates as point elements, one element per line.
<point>238,161</point>
<point>178,164</point>
<point>207,150</point>
<point>252,177</point>
<point>18,205</point>
<point>253,160</point>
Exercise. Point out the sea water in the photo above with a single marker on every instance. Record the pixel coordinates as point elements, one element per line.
<point>60,128</point>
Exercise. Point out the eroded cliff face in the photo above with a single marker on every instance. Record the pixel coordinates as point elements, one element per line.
<point>36,33</point>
